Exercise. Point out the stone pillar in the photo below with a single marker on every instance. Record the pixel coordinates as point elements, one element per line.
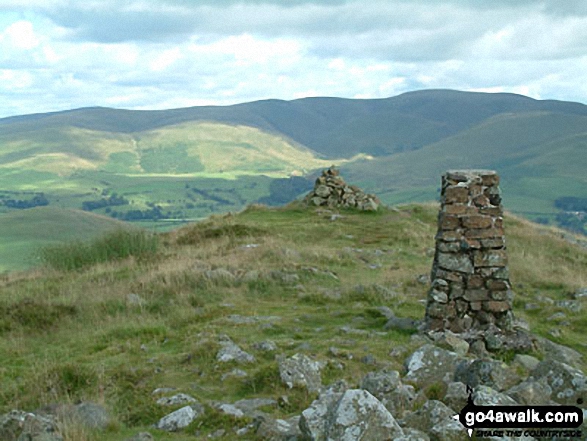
<point>470,281</point>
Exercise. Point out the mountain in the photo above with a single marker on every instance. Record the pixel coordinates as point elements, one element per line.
<point>169,166</point>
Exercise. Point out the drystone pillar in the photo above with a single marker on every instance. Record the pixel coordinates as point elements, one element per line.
<point>470,287</point>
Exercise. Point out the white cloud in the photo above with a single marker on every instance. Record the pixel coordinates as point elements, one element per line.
<point>20,35</point>
<point>165,59</point>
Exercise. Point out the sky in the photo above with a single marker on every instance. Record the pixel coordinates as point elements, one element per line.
<point>160,54</point>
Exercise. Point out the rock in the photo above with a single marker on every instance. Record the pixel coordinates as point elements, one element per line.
<point>177,420</point>
<point>231,352</point>
<point>570,305</point>
<point>250,407</point>
<point>450,341</point>
<point>456,395</point>
<point>486,396</point>
<point>531,392</point>
<point>567,383</point>
<point>382,383</point>
<point>25,426</point>
<point>387,387</point>
<point>176,400</point>
<point>235,373</point>
<point>436,418</point>
<point>492,373</point>
<point>91,415</point>
<point>557,352</point>
<point>231,409</point>
<point>313,419</point>
<point>411,434</point>
<point>359,415</point>
<point>331,190</point>
<point>300,370</point>
<point>163,390</point>
<point>265,346</point>
<point>430,364</point>
<point>142,436</point>
<point>402,324</point>
<point>528,362</point>
<point>279,429</point>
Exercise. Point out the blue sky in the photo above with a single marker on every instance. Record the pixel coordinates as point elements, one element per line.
<point>138,54</point>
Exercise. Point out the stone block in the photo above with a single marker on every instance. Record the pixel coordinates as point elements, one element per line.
<point>490,258</point>
<point>455,262</point>
<point>448,247</point>
<point>456,194</point>
<point>496,306</point>
<point>476,295</point>
<point>450,276</point>
<point>487,233</point>
<point>475,282</point>
<point>498,285</point>
<point>477,222</point>
<point>494,243</point>
<point>449,236</point>
<point>489,179</point>
<point>448,221</point>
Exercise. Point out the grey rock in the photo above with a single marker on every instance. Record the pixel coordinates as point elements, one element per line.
<point>313,419</point>
<point>411,434</point>
<point>456,395</point>
<point>492,373</point>
<point>91,415</point>
<point>402,324</point>
<point>177,420</point>
<point>567,383</point>
<point>581,293</point>
<point>250,407</point>
<point>25,426</point>
<point>557,352</point>
<point>142,436</point>
<point>278,429</point>
<point>570,305</point>
<point>382,383</point>
<point>231,409</point>
<point>265,346</point>
<point>486,396</point>
<point>455,262</point>
<point>431,414</point>
<point>163,390</point>
<point>300,370</point>
<point>235,373</point>
<point>528,362</point>
<point>451,341</point>
<point>358,415</point>
<point>531,392</point>
<point>430,364</point>
<point>230,351</point>
<point>449,430</point>
<point>176,400</point>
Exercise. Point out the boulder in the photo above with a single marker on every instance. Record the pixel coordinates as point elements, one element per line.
<point>300,370</point>
<point>486,396</point>
<point>531,392</point>
<point>359,415</point>
<point>313,419</point>
<point>492,373</point>
<point>568,384</point>
<point>230,351</point>
<point>176,400</point>
<point>430,364</point>
<point>177,420</point>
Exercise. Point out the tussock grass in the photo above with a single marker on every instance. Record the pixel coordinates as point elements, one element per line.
<point>113,246</point>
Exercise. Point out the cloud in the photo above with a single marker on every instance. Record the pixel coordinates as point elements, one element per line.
<point>57,54</point>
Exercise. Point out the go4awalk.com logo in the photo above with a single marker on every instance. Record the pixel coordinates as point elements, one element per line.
<point>546,422</point>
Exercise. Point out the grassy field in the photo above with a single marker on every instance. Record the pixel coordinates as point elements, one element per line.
<point>75,335</point>
<point>24,232</point>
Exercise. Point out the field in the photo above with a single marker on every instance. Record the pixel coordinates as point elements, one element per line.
<point>304,281</point>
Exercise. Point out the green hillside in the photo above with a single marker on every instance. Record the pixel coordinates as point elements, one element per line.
<point>163,168</point>
<point>112,333</point>
<point>23,232</point>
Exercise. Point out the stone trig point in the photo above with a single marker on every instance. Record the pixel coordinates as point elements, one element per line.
<point>470,281</point>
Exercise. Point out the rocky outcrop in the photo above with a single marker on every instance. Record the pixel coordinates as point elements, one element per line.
<point>332,191</point>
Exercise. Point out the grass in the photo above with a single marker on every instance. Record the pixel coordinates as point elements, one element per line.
<point>117,245</point>
<point>312,283</point>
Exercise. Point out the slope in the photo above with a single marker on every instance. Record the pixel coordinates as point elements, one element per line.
<point>23,232</point>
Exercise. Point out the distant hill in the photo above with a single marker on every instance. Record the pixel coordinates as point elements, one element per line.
<point>175,165</point>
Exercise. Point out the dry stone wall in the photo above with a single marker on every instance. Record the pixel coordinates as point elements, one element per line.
<point>470,280</point>
<point>332,191</point>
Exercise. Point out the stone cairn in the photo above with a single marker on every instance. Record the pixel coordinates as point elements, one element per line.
<point>330,190</point>
<point>470,288</point>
